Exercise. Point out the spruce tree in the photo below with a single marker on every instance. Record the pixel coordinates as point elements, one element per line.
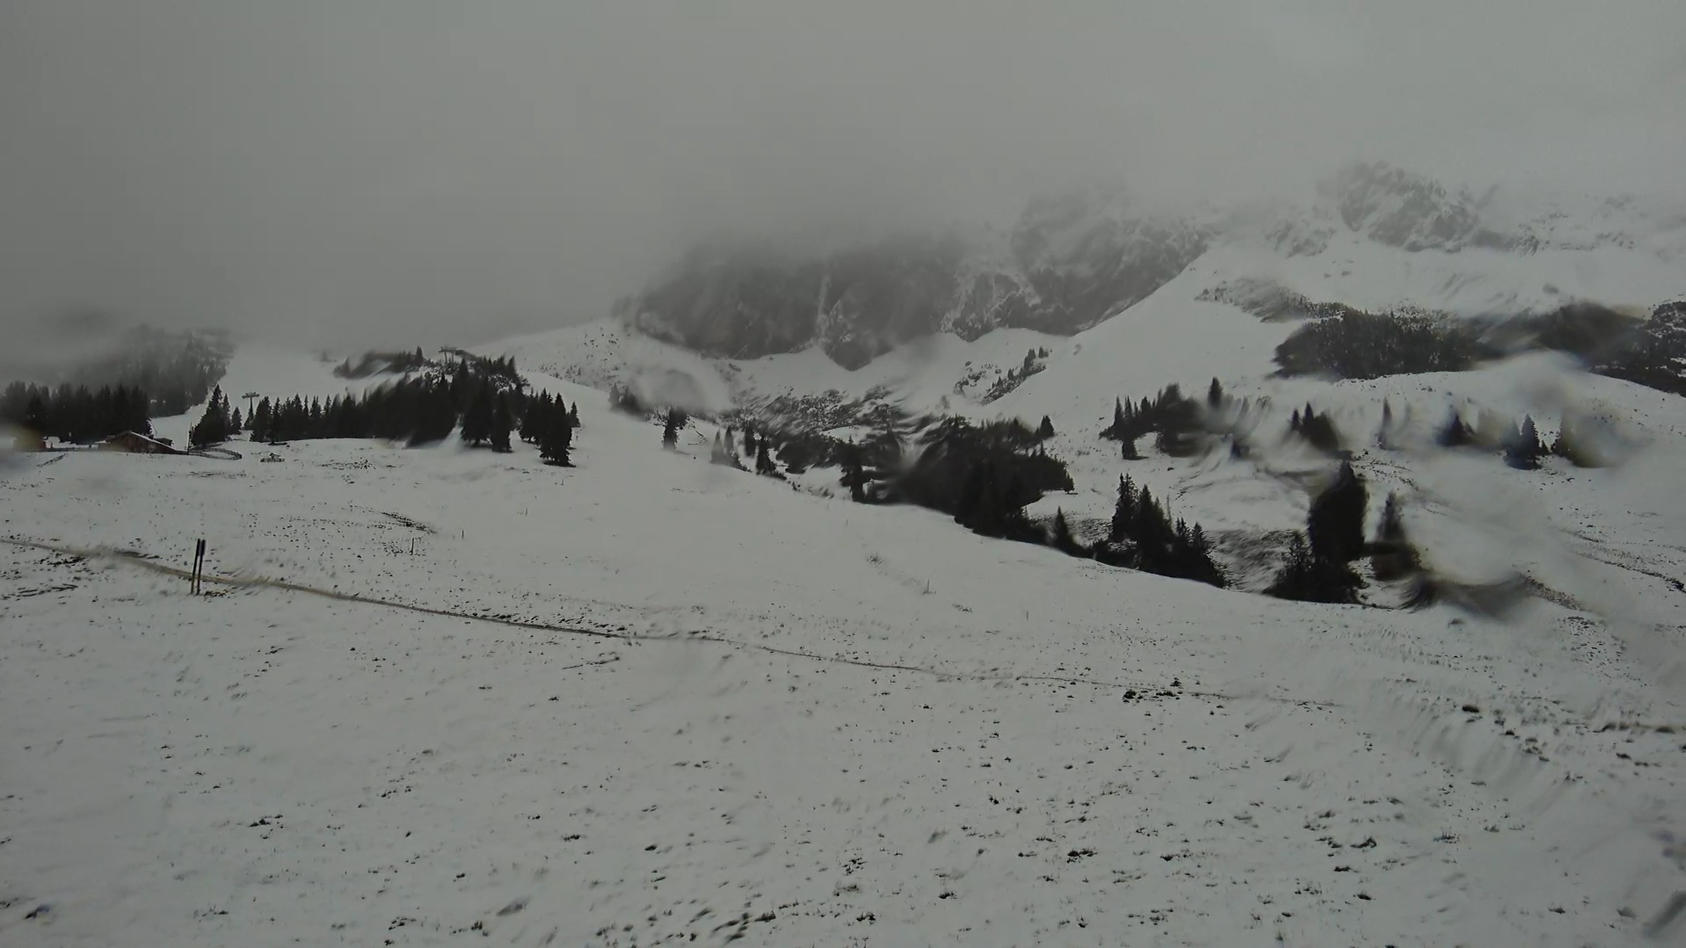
<point>1454,433</point>
<point>477,418</point>
<point>1045,430</point>
<point>853,468</point>
<point>764,461</point>
<point>1062,539</point>
<point>532,419</point>
<point>502,423</point>
<point>1335,524</point>
<point>1572,444</point>
<point>1215,394</point>
<point>1393,557</point>
<point>1124,513</point>
<point>213,425</point>
<point>556,437</point>
<point>1524,450</point>
<point>670,431</point>
<point>234,422</point>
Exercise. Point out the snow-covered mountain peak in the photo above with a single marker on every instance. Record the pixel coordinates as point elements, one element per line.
<point>1398,208</point>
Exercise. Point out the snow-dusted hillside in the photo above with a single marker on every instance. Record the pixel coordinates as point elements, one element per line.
<point>649,698</point>
<point>440,693</point>
<point>1373,236</point>
<point>1383,242</point>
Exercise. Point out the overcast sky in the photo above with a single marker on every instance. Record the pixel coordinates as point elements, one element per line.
<point>342,172</point>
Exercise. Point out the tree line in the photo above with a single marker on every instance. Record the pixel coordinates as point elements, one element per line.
<point>1355,344</point>
<point>176,369</point>
<point>1181,425</point>
<point>480,398</point>
<point>1143,536</point>
<point>77,414</point>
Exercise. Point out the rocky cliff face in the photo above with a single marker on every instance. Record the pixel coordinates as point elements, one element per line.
<point>1391,206</point>
<point>1073,260</point>
<point>1067,264</point>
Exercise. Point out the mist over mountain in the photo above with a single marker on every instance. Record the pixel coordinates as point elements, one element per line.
<point>337,174</point>
<point>1075,258</point>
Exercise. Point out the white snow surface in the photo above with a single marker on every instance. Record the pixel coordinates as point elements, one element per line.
<point>648,698</point>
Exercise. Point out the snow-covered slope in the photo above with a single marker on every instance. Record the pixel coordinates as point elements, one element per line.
<point>1375,239</point>
<point>1373,236</point>
<point>272,371</point>
<point>650,698</point>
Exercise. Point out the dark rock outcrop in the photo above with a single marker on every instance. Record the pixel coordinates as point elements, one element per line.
<point>1069,263</point>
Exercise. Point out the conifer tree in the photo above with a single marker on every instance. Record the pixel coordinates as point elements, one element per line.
<point>1572,444</point>
<point>556,436</point>
<point>853,468</point>
<point>532,420</point>
<point>260,420</point>
<point>1197,540</point>
<point>764,461</point>
<point>35,415</point>
<point>213,425</point>
<point>1124,513</point>
<point>1215,394</point>
<point>1454,434</point>
<point>1335,525</point>
<point>670,432</point>
<point>1062,539</point>
<point>477,418</point>
<point>749,441</point>
<point>1045,430</point>
<point>502,422</point>
<point>1393,557</point>
<point>1524,450</point>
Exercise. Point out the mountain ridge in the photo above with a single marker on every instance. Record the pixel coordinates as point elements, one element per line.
<point>1374,236</point>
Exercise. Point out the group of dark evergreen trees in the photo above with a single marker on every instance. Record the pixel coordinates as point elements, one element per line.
<point>1360,345</point>
<point>374,363</point>
<point>550,423</point>
<point>725,452</point>
<point>1321,571</point>
<point>484,396</point>
<point>76,414</point>
<point>1143,536</point>
<point>1319,562</point>
<point>1520,443</point>
<point>1174,419</point>
<point>419,411</point>
<point>217,424</point>
<point>981,475</point>
<point>175,368</point>
<point>1318,429</point>
<point>1355,344</point>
